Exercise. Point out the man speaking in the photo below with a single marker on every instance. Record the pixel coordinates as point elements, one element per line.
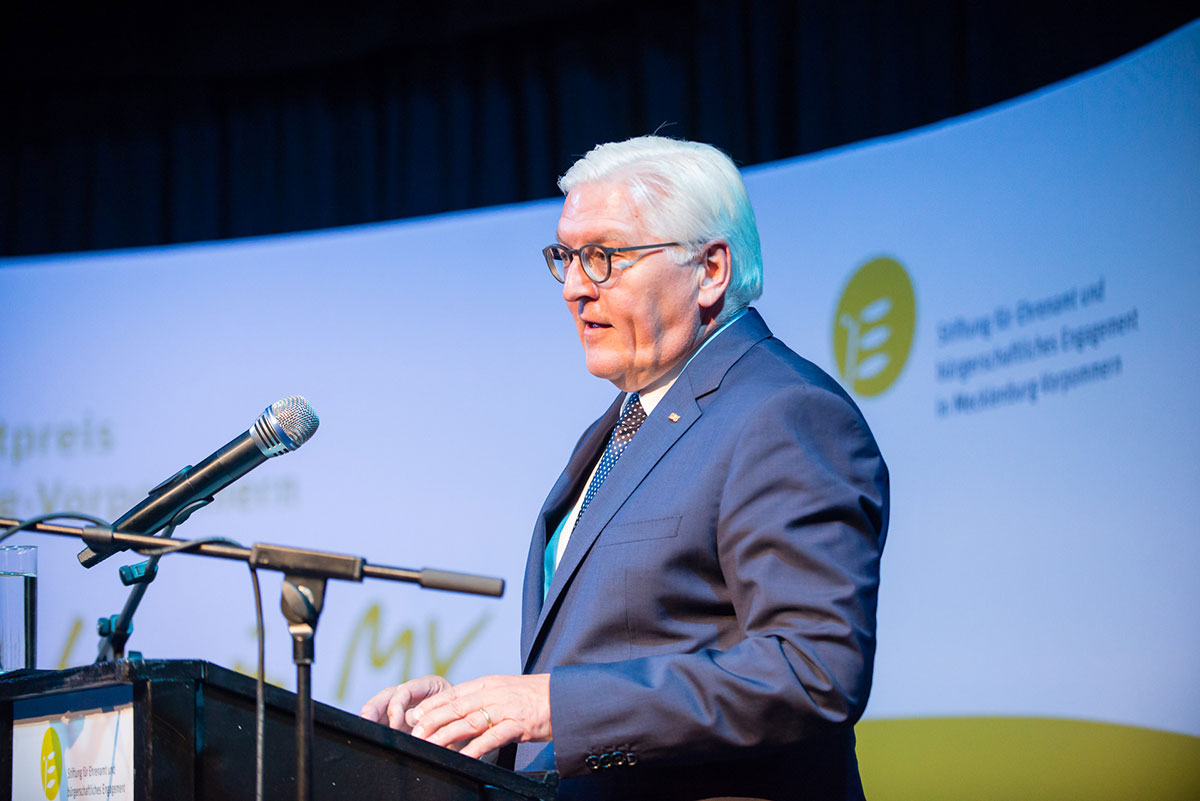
<point>700,596</point>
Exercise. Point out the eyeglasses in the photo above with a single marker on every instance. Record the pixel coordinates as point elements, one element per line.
<point>596,259</point>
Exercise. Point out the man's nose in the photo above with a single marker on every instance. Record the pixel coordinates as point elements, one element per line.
<point>577,285</point>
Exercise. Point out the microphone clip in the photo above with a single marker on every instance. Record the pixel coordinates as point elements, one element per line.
<point>141,573</point>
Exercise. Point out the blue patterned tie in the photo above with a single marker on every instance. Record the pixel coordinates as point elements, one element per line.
<point>631,420</point>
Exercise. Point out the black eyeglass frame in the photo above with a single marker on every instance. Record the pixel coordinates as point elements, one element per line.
<point>556,252</point>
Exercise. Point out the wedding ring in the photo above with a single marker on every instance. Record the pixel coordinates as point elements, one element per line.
<point>486,716</point>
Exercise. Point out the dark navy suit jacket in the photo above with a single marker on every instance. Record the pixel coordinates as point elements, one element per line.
<point>710,630</point>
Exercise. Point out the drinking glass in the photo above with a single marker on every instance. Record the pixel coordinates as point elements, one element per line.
<point>18,607</point>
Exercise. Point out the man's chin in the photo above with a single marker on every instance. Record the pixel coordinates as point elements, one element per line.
<point>602,367</point>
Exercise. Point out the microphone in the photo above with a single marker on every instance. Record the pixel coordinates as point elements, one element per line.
<point>283,427</point>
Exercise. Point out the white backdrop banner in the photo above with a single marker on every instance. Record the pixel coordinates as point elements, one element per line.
<point>1008,295</point>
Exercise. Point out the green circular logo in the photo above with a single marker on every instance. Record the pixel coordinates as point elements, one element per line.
<point>873,326</point>
<point>52,768</point>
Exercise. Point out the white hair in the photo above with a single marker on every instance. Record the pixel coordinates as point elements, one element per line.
<point>687,192</point>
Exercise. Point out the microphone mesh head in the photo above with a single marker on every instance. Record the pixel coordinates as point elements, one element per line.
<point>296,418</point>
<point>284,426</point>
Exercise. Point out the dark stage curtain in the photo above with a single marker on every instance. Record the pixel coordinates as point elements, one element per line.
<point>126,127</point>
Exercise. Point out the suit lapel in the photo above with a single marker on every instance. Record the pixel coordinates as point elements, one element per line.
<point>653,440</point>
<point>656,436</point>
<point>557,504</point>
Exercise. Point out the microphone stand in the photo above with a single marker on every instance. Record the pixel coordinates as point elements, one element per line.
<point>114,631</point>
<point>305,573</point>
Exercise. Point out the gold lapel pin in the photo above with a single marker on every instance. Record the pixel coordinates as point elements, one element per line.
<point>674,418</point>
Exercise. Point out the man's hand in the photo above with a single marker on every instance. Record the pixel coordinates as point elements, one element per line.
<point>391,706</point>
<point>485,713</point>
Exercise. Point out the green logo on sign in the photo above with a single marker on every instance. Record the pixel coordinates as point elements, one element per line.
<point>873,326</point>
<point>51,764</point>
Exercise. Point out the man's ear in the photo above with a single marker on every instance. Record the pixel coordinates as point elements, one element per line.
<point>716,265</point>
